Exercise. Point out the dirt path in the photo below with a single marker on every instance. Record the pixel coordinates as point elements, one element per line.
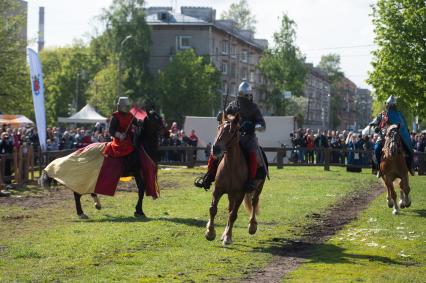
<point>290,254</point>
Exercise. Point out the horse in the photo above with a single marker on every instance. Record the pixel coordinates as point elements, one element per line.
<point>231,176</point>
<point>148,137</point>
<point>394,167</point>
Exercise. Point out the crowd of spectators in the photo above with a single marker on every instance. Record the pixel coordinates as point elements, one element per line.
<point>177,137</point>
<point>309,146</point>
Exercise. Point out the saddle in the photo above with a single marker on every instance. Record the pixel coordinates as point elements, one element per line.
<point>261,171</point>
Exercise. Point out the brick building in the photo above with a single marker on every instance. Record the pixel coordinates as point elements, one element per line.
<point>236,53</point>
<point>345,92</point>
<point>317,91</point>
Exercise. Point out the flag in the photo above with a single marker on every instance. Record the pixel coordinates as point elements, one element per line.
<point>36,76</point>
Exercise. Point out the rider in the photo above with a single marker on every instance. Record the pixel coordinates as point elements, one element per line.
<point>381,122</point>
<point>251,119</point>
<point>121,131</point>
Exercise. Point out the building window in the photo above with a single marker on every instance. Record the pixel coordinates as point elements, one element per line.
<point>183,42</point>
<point>244,74</point>
<point>225,87</point>
<point>224,47</point>
<point>224,67</point>
<point>233,69</point>
<point>252,76</point>
<point>244,56</point>
<point>233,51</point>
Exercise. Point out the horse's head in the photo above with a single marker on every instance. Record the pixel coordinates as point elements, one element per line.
<point>154,123</point>
<point>227,134</point>
<point>393,139</point>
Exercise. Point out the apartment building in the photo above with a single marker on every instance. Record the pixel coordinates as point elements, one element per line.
<point>235,53</point>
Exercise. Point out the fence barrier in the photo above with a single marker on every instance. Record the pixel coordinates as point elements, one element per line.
<point>20,166</point>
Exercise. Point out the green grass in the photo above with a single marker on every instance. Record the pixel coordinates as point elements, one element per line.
<point>49,243</point>
<point>379,247</point>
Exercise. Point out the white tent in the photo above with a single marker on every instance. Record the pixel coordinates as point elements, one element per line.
<point>278,129</point>
<point>87,115</point>
<point>15,120</point>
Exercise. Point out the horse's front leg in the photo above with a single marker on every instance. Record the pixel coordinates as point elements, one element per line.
<point>141,192</point>
<point>80,213</point>
<point>391,196</point>
<point>405,200</point>
<point>254,206</point>
<point>211,232</point>
<point>96,200</point>
<point>236,200</point>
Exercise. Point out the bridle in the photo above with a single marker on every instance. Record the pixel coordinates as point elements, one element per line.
<point>233,134</point>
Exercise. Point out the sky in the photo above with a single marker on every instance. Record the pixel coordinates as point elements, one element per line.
<point>323,26</point>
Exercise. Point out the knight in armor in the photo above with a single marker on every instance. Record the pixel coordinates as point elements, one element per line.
<point>251,120</point>
<point>389,117</point>
<point>122,145</point>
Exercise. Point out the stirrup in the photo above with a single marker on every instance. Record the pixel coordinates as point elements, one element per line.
<point>379,174</point>
<point>201,182</point>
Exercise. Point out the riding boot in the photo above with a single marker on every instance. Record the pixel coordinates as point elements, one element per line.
<point>206,181</point>
<point>250,184</point>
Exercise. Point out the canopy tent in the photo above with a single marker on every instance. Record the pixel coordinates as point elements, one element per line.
<point>15,120</point>
<point>87,115</point>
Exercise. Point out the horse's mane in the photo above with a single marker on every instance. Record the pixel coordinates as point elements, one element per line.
<point>388,140</point>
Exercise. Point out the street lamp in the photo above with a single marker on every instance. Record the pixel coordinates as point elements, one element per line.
<point>119,64</point>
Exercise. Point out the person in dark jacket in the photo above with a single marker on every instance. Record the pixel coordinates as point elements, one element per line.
<point>251,120</point>
<point>6,147</point>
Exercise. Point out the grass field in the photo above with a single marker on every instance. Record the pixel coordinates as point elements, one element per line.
<point>378,247</point>
<point>49,243</point>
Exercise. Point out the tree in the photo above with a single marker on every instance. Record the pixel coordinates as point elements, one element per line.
<point>67,72</point>
<point>399,62</point>
<point>102,90</point>
<point>240,13</point>
<point>126,18</point>
<point>188,86</point>
<point>330,63</point>
<point>283,67</point>
<point>15,87</point>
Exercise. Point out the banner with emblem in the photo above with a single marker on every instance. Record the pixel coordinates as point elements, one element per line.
<point>37,87</point>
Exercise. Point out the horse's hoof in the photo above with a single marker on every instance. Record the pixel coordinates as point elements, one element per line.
<point>401,204</point>
<point>98,206</point>
<point>395,212</point>
<point>390,203</point>
<point>227,241</point>
<point>252,229</point>
<point>83,216</point>
<point>210,235</point>
<point>139,215</point>
<point>408,204</point>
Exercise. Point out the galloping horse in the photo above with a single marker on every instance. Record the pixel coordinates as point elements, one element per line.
<point>148,137</point>
<point>393,167</point>
<point>231,176</point>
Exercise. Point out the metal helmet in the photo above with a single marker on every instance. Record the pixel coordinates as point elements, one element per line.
<point>244,89</point>
<point>391,101</point>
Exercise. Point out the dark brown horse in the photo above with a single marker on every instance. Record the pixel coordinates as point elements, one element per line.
<point>394,168</point>
<point>148,136</point>
<point>231,176</point>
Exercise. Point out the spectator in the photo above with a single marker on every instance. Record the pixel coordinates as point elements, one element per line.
<point>6,147</point>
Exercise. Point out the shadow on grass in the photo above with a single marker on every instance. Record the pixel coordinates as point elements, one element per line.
<point>130,219</point>
<point>420,212</point>
<point>321,253</point>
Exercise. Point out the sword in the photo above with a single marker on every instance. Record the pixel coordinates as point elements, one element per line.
<point>263,162</point>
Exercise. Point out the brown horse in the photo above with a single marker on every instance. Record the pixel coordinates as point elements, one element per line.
<point>231,176</point>
<point>394,167</point>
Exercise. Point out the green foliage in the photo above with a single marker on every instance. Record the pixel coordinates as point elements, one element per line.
<point>335,105</point>
<point>241,14</point>
<point>331,64</point>
<point>283,67</point>
<point>15,87</point>
<point>122,19</point>
<point>188,86</point>
<point>399,63</point>
<point>102,91</point>
<point>67,72</point>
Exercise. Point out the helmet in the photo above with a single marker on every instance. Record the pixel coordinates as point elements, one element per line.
<point>391,101</point>
<point>244,89</point>
<point>123,101</point>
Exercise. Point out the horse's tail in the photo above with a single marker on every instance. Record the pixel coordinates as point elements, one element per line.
<point>248,205</point>
<point>45,181</point>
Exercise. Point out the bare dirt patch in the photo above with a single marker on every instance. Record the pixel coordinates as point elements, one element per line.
<point>288,255</point>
